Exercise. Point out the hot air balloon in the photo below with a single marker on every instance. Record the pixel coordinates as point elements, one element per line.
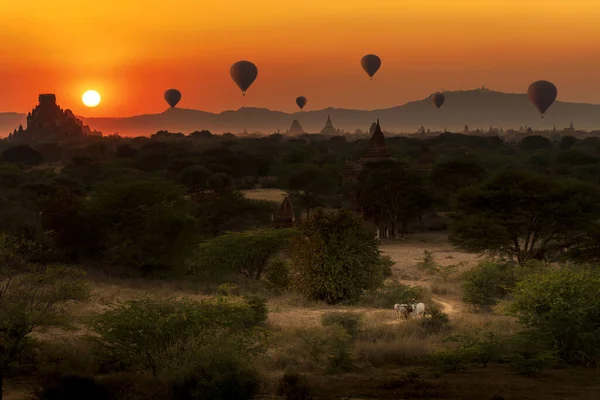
<point>438,99</point>
<point>542,94</point>
<point>371,64</point>
<point>172,96</point>
<point>301,101</point>
<point>243,74</point>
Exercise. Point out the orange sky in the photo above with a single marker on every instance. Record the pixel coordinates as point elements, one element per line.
<point>131,51</point>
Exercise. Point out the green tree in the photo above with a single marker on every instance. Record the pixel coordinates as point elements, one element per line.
<point>32,298</point>
<point>566,142</point>
<point>486,284</point>
<point>449,176</point>
<point>22,155</point>
<point>144,224</point>
<point>335,259</point>
<point>309,183</point>
<point>246,252</point>
<point>220,181</point>
<point>126,150</point>
<point>392,194</point>
<point>524,215</point>
<point>195,177</point>
<point>233,212</point>
<point>535,142</point>
<point>562,306</point>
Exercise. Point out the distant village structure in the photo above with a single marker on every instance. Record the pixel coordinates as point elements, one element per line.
<point>285,218</point>
<point>328,129</point>
<point>48,120</point>
<point>295,129</point>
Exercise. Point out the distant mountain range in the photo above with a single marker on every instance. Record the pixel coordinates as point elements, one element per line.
<point>480,108</point>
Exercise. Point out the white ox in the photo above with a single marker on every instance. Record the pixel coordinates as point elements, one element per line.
<point>419,310</point>
<point>403,309</point>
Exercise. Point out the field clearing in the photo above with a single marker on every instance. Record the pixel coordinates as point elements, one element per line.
<point>275,195</point>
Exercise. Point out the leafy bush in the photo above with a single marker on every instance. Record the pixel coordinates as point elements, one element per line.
<point>437,322</point>
<point>278,275</point>
<point>146,334</point>
<point>561,306</point>
<point>428,263</point>
<point>487,283</point>
<point>340,357</point>
<point>350,321</point>
<point>390,294</point>
<point>532,364</point>
<point>246,253</point>
<point>448,360</point>
<point>386,264</point>
<point>335,259</point>
<point>258,308</point>
<point>33,298</point>
<point>478,347</point>
<point>213,370</point>
<point>228,289</point>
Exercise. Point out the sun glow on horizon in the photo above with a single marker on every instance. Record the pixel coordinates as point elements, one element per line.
<point>91,98</point>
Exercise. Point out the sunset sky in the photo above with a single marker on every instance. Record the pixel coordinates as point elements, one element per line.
<point>131,51</point>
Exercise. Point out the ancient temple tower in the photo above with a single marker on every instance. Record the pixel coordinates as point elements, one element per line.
<point>328,129</point>
<point>377,148</point>
<point>48,120</point>
<point>285,218</point>
<point>296,128</point>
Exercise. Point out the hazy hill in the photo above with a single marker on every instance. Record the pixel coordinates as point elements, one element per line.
<point>479,108</point>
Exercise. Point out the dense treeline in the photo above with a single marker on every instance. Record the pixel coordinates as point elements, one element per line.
<point>172,206</point>
<point>133,203</point>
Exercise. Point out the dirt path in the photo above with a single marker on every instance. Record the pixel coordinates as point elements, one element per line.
<point>449,306</point>
<point>406,254</point>
<point>446,307</point>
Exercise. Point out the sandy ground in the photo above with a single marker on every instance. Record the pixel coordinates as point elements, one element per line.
<point>276,195</point>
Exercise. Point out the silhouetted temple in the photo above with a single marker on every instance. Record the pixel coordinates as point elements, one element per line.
<point>377,151</point>
<point>328,129</point>
<point>296,128</point>
<point>372,128</point>
<point>285,218</point>
<point>377,148</point>
<point>47,119</point>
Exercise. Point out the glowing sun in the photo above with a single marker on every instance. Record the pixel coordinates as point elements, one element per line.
<point>91,98</point>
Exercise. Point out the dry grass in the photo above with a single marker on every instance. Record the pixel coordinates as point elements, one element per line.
<point>275,195</point>
<point>407,253</point>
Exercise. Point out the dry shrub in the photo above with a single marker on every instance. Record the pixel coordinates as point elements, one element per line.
<point>412,342</point>
<point>395,344</point>
<point>69,355</point>
<point>400,352</point>
<point>326,349</point>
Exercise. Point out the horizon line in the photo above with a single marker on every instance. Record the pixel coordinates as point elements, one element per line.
<point>309,111</point>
